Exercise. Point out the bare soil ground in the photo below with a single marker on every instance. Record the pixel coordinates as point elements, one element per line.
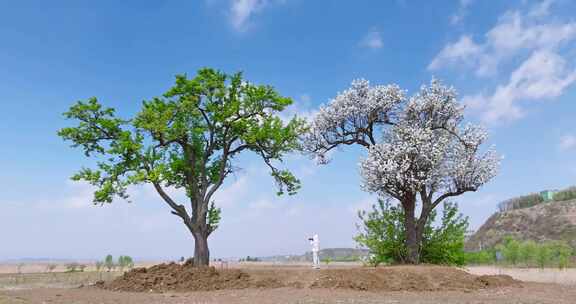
<point>176,277</point>
<point>530,293</point>
<point>297,284</point>
<point>547,275</point>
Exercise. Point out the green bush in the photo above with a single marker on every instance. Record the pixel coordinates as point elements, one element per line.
<point>72,267</point>
<point>566,194</point>
<point>543,255</point>
<point>561,253</point>
<point>445,244</point>
<point>109,263</point>
<point>486,256</point>
<point>528,251</point>
<point>382,232</point>
<point>520,202</point>
<point>510,250</point>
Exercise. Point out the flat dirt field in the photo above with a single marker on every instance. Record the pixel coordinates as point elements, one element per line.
<point>174,283</point>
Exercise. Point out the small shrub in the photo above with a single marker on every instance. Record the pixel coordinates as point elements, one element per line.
<point>81,267</point>
<point>109,263</point>
<point>50,267</point>
<point>566,194</point>
<point>99,265</point>
<point>72,267</point>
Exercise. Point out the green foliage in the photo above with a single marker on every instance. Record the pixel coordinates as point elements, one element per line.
<point>445,244</point>
<point>526,253</point>
<point>125,262</point>
<point>214,216</point>
<point>382,232</point>
<point>543,255</point>
<point>486,256</point>
<point>533,199</point>
<point>510,250</point>
<point>561,253</point>
<point>250,259</point>
<point>188,138</point>
<point>327,260</point>
<point>520,202</point>
<point>566,194</point>
<point>109,262</point>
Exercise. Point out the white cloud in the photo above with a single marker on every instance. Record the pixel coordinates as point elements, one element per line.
<point>462,50</point>
<point>538,47</point>
<point>544,75</point>
<point>567,142</point>
<point>458,17</point>
<point>372,40</point>
<point>514,34</point>
<point>301,107</point>
<point>541,9</point>
<point>242,11</point>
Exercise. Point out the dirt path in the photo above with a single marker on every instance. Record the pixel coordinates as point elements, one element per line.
<point>531,293</point>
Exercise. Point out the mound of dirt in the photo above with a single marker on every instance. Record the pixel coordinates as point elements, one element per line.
<point>409,278</point>
<point>176,277</point>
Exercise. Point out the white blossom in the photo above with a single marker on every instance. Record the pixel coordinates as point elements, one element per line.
<point>416,145</point>
<point>349,117</point>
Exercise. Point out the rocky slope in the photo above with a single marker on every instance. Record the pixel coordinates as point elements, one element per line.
<point>547,221</point>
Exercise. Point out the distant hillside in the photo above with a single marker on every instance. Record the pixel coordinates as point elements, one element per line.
<point>335,254</point>
<point>546,221</point>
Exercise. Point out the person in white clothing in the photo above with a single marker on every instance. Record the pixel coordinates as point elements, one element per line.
<point>315,242</point>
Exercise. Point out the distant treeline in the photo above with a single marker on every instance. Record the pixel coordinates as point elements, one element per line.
<point>526,201</point>
<point>528,253</point>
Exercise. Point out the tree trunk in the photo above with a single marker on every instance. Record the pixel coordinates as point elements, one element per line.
<point>413,235</point>
<point>201,251</point>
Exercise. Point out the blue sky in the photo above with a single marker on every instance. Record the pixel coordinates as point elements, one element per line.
<point>513,63</point>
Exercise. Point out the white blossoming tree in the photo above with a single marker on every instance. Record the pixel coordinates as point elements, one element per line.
<point>419,151</point>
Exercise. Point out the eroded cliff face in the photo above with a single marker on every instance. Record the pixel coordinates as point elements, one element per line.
<point>547,221</point>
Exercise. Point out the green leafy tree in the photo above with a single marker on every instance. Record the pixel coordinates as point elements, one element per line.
<point>125,262</point>
<point>543,255</point>
<point>511,250</point>
<point>528,252</point>
<point>109,262</point>
<point>187,139</point>
<point>561,252</point>
<point>486,256</point>
<point>382,232</point>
